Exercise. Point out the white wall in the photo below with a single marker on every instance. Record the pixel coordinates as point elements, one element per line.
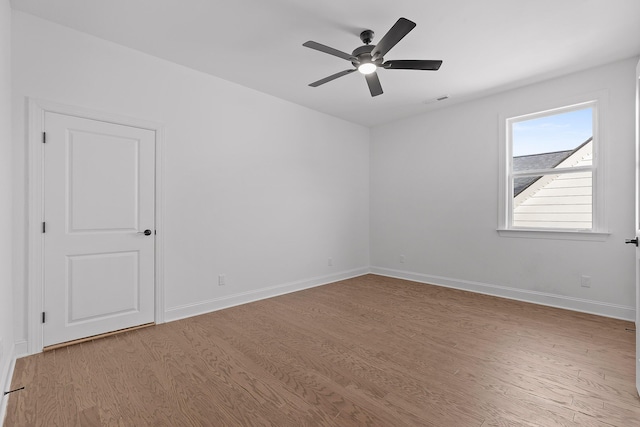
<point>6,284</point>
<point>256,188</point>
<point>434,199</point>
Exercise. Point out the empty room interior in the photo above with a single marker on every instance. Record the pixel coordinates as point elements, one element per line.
<point>409,213</point>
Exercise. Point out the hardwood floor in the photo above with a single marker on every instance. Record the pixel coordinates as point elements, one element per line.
<point>365,351</point>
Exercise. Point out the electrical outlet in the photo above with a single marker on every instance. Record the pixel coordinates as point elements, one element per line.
<point>402,259</point>
<point>585,281</point>
<point>222,280</point>
<point>330,262</point>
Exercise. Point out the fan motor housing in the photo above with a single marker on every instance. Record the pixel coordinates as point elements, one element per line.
<point>363,53</point>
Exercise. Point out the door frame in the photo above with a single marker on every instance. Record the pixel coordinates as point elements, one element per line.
<point>36,109</point>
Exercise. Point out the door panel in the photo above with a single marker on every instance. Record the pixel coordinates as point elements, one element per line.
<point>119,270</point>
<point>99,190</point>
<point>90,157</point>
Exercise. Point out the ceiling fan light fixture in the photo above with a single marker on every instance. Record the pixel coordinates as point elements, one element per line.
<point>368,58</point>
<point>367,68</point>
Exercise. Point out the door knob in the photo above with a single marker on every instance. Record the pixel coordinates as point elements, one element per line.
<point>146,232</point>
<point>634,241</point>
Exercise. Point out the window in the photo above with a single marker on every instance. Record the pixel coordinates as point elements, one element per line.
<point>551,170</point>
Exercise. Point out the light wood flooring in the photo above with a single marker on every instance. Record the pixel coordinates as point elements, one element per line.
<point>365,351</point>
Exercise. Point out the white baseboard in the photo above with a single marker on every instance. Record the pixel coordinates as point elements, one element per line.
<point>202,307</point>
<point>22,349</point>
<point>5,381</point>
<point>553,300</point>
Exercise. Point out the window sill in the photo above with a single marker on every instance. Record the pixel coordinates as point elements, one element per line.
<point>555,234</point>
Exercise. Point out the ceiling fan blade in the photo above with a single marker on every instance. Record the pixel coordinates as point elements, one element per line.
<point>331,51</point>
<point>374,84</point>
<point>410,64</point>
<point>400,29</point>
<point>331,77</point>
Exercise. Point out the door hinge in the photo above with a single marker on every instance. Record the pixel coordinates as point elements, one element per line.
<point>44,227</point>
<point>44,137</point>
<point>43,317</point>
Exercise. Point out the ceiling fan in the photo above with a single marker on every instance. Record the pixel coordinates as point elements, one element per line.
<point>368,58</point>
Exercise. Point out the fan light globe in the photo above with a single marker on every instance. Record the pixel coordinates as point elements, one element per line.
<point>367,68</point>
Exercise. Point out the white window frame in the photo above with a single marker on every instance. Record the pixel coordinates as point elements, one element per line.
<point>598,232</point>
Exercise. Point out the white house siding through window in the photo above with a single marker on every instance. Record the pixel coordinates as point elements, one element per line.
<point>554,201</point>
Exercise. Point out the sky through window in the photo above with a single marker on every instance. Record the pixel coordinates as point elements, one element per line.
<point>556,132</point>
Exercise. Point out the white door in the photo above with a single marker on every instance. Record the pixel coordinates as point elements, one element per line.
<point>637,227</point>
<point>99,190</point>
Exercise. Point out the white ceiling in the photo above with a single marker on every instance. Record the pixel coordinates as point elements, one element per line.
<point>487,46</point>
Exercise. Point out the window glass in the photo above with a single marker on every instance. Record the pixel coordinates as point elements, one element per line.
<point>552,133</point>
<point>554,201</point>
<point>552,169</point>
